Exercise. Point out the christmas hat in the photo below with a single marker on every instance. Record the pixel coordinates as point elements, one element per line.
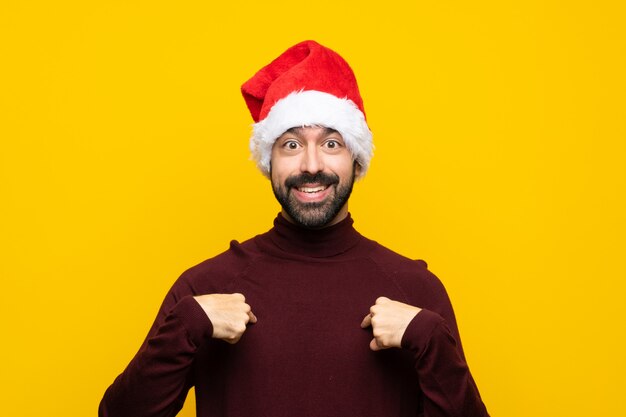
<point>308,85</point>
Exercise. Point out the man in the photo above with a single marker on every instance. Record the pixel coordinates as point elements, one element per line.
<point>310,318</point>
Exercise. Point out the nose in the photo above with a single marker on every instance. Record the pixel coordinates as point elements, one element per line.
<point>312,161</point>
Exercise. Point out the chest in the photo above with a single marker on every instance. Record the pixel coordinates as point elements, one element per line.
<point>308,339</point>
<point>313,300</point>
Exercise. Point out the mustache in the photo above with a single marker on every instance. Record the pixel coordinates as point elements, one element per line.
<point>306,178</point>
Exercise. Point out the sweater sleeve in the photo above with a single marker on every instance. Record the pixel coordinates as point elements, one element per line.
<point>157,380</point>
<point>445,380</point>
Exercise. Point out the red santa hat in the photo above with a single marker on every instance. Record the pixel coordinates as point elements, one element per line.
<point>308,85</point>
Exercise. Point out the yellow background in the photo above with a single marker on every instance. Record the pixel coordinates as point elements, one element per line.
<point>500,159</point>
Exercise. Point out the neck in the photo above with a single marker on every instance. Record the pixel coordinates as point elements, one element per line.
<point>296,240</point>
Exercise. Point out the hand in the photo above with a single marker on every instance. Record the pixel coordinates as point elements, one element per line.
<point>228,313</point>
<point>389,320</point>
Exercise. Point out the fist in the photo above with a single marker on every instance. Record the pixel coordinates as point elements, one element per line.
<point>389,320</point>
<point>228,313</point>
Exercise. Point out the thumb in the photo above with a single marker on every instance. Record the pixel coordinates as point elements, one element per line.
<point>253,318</point>
<point>367,321</point>
<point>374,345</point>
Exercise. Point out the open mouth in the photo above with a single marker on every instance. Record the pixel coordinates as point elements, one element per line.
<point>312,193</point>
<point>311,190</point>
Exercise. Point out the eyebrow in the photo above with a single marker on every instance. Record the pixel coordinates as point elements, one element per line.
<point>298,130</point>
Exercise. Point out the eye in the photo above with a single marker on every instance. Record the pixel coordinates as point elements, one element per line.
<point>333,144</point>
<point>291,145</point>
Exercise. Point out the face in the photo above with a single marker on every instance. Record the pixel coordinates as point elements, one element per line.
<point>312,174</point>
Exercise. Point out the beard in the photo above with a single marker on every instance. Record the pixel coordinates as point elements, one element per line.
<point>313,215</point>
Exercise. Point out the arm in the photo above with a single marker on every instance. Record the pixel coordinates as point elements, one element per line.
<point>157,380</point>
<point>444,377</point>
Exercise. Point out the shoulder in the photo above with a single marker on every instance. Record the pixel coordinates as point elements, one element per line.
<point>412,276</point>
<point>396,263</point>
<point>216,274</point>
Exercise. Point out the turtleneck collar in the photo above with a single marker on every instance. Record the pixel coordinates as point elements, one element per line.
<point>315,243</point>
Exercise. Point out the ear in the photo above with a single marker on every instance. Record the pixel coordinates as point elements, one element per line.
<point>357,169</point>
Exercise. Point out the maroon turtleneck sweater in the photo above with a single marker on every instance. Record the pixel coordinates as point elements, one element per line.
<point>307,354</point>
